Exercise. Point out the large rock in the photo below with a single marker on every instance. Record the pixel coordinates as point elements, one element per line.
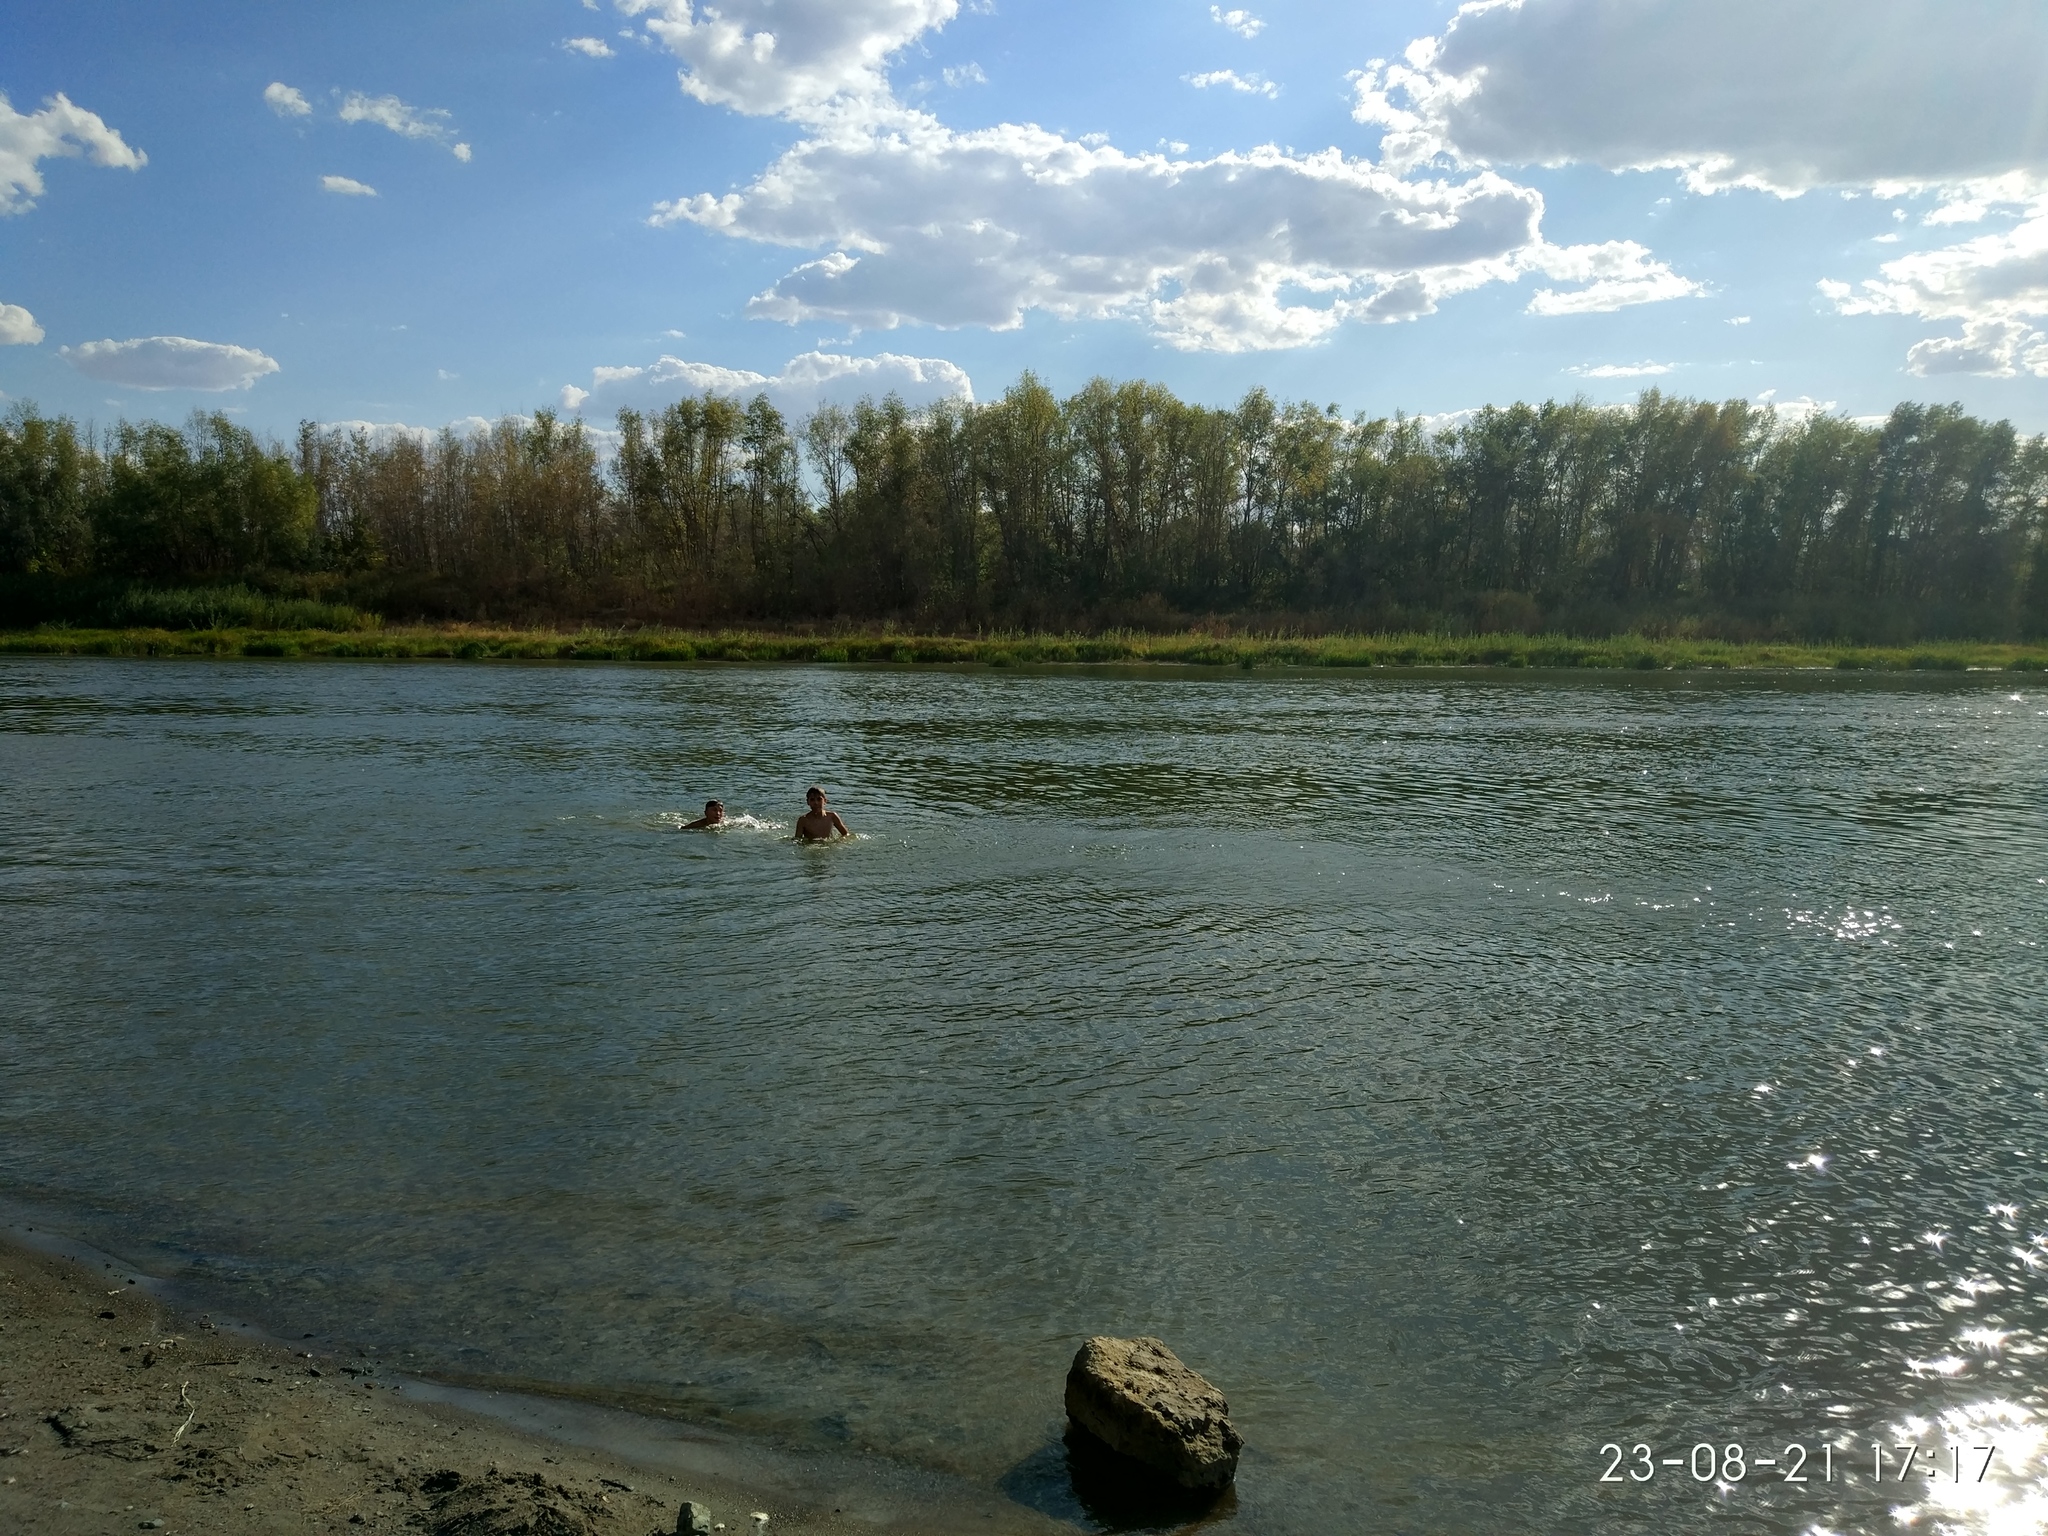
<point>1136,1397</point>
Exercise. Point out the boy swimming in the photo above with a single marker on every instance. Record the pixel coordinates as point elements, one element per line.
<point>818,824</point>
<point>714,814</point>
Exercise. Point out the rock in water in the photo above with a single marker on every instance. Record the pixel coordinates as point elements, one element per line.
<point>1136,1397</point>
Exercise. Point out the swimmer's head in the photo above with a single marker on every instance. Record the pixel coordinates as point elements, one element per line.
<point>815,796</point>
<point>714,810</point>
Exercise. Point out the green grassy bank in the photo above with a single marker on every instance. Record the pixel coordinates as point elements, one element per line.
<point>476,643</point>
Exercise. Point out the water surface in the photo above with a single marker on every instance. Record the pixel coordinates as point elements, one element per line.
<point>1466,1072</point>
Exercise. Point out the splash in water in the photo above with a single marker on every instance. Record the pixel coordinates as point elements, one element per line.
<point>675,821</point>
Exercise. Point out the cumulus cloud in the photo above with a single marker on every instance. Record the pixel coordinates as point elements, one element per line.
<point>1881,96</point>
<point>803,383</point>
<point>912,222</point>
<point>803,59</point>
<point>1995,284</point>
<point>170,362</point>
<point>434,124</point>
<point>385,433</point>
<point>347,186</point>
<point>1246,250</point>
<point>2000,276</point>
<point>1615,275</point>
<point>1801,408</point>
<point>1998,348</point>
<point>18,327</point>
<point>60,129</point>
<point>1243,23</point>
<point>1753,93</point>
<point>285,101</point>
<point>589,47</point>
<point>1623,370</point>
<point>1251,85</point>
<point>1435,423</point>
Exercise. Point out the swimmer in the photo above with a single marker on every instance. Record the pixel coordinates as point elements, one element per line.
<point>714,815</point>
<point>818,824</point>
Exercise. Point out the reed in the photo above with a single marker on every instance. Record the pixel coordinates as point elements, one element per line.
<point>484,643</point>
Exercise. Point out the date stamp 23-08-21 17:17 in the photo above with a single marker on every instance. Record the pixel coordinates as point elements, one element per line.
<point>1873,1464</point>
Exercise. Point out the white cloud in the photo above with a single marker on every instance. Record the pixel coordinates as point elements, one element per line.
<point>385,433</point>
<point>346,186</point>
<point>1615,274</point>
<point>964,74</point>
<point>589,47</point>
<point>1996,285</point>
<point>803,59</point>
<point>1800,408</point>
<point>434,124</point>
<point>1998,348</point>
<point>285,101</point>
<point>169,362</point>
<point>18,327</point>
<point>1254,249</point>
<point>1737,320</point>
<point>1623,370</point>
<point>60,129</point>
<point>1755,93</point>
<point>1435,422</point>
<point>1251,85</point>
<point>1243,23</point>
<point>912,222</point>
<point>1992,276</point>
<point>1973,201</point>
<point>382,434</point>
<point>802,384</point>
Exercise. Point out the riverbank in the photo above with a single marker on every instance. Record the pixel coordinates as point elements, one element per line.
<point>119,1413</point>
<point>468,642</point>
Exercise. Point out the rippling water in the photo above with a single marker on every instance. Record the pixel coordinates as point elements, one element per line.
<point>1466,1073</point>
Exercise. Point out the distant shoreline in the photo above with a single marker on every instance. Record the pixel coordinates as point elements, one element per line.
<point>475,642</point>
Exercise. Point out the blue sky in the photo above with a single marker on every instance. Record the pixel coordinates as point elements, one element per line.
<point>403,213</point>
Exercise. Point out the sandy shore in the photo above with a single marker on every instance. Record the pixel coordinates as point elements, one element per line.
<point>119,1414</point>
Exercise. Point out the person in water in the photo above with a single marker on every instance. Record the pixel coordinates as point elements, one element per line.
<point>714,815</point>
<point>818,824</point>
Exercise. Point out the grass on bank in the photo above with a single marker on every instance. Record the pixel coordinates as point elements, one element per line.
<point>477,643</point>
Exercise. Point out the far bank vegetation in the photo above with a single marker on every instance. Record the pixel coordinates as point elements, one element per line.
<point>1118,508</point>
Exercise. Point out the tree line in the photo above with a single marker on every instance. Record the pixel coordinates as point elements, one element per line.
<point>1120,505</point>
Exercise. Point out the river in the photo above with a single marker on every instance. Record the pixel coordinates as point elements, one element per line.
<point>1467,1072</point>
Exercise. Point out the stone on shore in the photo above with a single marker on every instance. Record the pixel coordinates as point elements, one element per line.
<point>1137,1398</point>
<point>693,1520</point>
<point>508,1504</point>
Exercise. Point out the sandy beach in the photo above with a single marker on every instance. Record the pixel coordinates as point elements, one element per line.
<point>119,1413</point>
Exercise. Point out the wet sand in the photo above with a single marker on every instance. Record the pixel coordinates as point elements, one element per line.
<point>119,1413</point>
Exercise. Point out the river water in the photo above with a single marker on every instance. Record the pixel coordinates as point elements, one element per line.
<point>1465,1072</point>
